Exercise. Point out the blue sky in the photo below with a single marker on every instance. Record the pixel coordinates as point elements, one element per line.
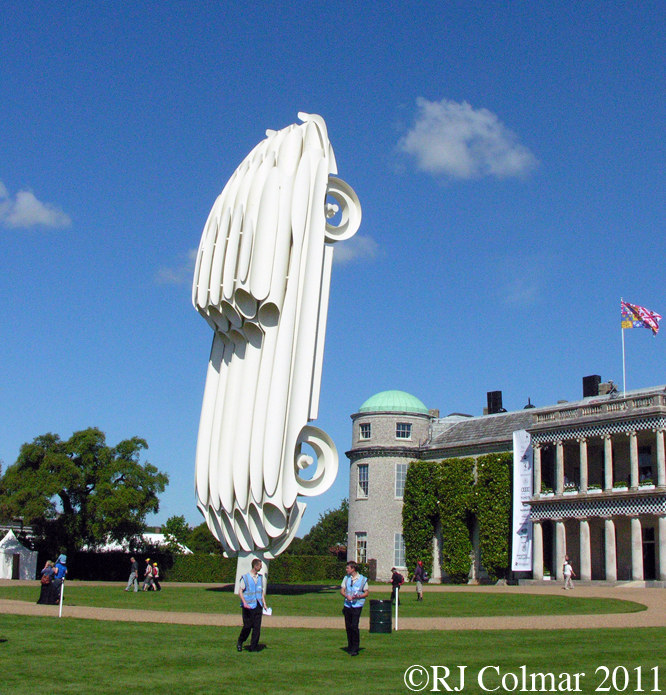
<point>509,158</point>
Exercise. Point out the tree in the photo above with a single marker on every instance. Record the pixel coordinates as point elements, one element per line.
<point>201,540</point>
<point>327,535</point>
<point>176,533</point>
<point>81,491</point>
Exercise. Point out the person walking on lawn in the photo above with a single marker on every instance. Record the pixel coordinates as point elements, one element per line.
<point>354,588</point>
<point>134,576</point>
<point>253,603</point>
<point>419,578</point>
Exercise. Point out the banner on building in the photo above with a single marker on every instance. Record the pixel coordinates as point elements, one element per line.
<point>521,556</point>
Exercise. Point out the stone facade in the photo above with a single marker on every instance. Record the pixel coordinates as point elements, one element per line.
<point>599,480</point>
<point>375,509</point>
<point>600,487</point>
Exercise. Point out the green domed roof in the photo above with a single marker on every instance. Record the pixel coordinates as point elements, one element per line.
<point>393,401</point>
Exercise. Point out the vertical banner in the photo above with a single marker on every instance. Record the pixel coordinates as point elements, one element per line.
<point>521,557</point>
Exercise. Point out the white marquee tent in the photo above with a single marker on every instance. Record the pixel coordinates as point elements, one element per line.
<point>16,561</point>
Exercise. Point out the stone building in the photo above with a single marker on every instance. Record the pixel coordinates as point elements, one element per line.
<point>600,487</point>
<point>599,478</point>
<point>387,433</point>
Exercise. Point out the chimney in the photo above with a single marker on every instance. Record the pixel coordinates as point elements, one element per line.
<point>495,402</point>
<point>591,386</point>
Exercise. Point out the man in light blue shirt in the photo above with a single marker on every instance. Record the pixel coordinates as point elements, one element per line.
<point>354,588</point>
<point>253,602</point>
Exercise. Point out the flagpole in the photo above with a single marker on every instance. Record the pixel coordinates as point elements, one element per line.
<point>624,371</point>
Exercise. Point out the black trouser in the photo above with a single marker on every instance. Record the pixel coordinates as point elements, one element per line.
<point>352,616</point>
<point>251,622</point>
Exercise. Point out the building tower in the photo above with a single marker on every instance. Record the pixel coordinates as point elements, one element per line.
<point>387,432</point>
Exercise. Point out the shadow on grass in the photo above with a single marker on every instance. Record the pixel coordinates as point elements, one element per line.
<point>286,589</point>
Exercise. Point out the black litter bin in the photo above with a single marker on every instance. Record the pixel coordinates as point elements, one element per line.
<point>380,616</point>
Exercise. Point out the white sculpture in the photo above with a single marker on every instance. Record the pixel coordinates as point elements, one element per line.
<point>262,281</point>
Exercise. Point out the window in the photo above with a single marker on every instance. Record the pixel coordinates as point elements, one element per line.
<point>403,430</point>
<point>399,550</point>
<point>362,480</point>
<point>400,475</point>
<point>365,431</point>
<point>361,546</point>
<point>645,463</point>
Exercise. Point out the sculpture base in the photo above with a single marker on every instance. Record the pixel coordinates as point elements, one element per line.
<point>245,565</point>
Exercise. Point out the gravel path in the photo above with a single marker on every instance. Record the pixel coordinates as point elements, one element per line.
<point>654,616</point>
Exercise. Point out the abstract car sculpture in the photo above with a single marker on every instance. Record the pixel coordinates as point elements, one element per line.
<point>262,281</point>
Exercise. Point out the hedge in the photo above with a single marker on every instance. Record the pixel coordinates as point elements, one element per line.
<point>115,567</point>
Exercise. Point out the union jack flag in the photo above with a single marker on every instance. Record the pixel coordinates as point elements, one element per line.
<point>634,316</point>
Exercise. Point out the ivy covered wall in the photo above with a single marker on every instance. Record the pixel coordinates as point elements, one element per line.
<point>453,492</point>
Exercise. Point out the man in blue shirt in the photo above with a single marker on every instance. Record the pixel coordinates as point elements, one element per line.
<point>253,601</point>
<point>354,588</point>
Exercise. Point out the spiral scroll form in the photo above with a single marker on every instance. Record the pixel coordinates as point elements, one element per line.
<point>262,282</point>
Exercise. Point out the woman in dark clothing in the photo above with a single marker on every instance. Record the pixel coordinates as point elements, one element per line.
<point>45,595</point>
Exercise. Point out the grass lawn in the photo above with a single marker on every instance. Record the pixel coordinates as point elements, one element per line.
<point>326,601</point>
<point>48,656</point>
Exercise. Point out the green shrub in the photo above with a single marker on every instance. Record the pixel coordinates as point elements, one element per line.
<point>419,512</point>
<point>454,484</point>
<point>492,506</point>
<point>283,569</point>
<point>447,490</point>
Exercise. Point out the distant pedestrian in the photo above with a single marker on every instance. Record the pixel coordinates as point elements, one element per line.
<point>253,601</point>
<point>46,581</point>
<point>354,588</point>
<point>148,576</point>
<point>59,577</point>
<point>419,578</point>
<point>397,580</point>
<point>156,577</point>
<point>567,571</point>
<point>134,576</point>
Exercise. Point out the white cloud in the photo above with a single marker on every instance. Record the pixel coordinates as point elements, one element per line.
<point>522,292</point>
<point>179,274</point>
<point>522,280</point>
<point>24,210</point>
<point>464,143</point>
<point>355,249</point>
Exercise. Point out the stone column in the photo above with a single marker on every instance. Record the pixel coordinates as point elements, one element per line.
<point>560,547</point>
<point>537,470</point>
<point>582,444</point>
<point>661,458</point>
<point>633,459</point>
<point>611,561</point>
<point>559,468</point>
<point>608,462</point>
<point>662,548</point>
<point>585,551</point>
<point>537,550</point>
<point>636,549</point>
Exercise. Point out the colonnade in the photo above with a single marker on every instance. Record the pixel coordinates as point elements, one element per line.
<point>609,546</point>
<point>608,463</point>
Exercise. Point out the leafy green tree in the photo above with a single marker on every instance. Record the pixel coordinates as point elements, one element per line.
<point>326,536</point>
<point>81,491</point>
<point>176,533</point>
<point>202,541</point>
